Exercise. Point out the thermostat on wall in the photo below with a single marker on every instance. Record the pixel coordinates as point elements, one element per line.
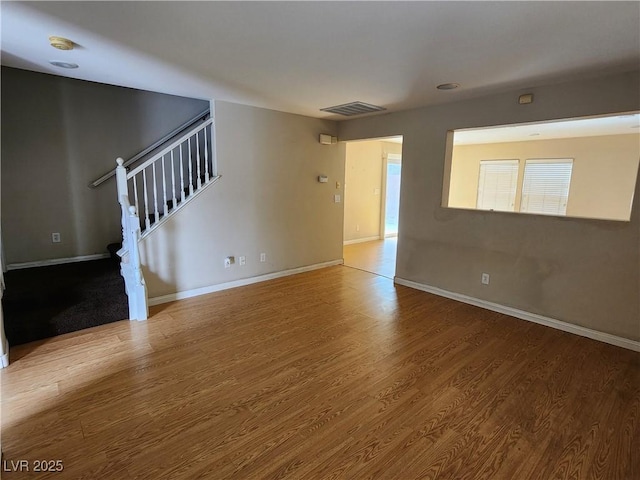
<point>323,179</point>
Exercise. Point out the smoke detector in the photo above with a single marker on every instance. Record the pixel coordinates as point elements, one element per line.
<point>61,43</point>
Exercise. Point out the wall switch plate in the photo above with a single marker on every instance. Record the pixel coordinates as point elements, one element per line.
<point>229,261</point>
<point>263,257</point>
<point>485,279</point>
<point>336,198</point>
<point>242,260</point>
<point>55,237</point>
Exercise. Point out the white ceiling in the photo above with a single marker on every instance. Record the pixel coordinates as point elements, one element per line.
<point>302,56</point>
<point>628,124</point>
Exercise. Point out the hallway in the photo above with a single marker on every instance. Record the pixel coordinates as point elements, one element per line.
<point>377,257</point>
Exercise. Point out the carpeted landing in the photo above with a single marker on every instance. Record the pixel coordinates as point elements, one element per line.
<point>47,301</point>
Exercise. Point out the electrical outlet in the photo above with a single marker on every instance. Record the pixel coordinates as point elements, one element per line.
<point>229,261</point>
<point>242,260</point>
<point>55,237</point>
<point>263,257</point>
<point>485,279</point>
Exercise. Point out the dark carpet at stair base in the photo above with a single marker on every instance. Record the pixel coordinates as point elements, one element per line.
<point>47,301</point>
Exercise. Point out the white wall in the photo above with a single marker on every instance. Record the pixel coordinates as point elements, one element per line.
<point>585,272</point>
<point>364,164</point>
<point>268,200</point>
<point>60,134</point>
<point>363,187</point>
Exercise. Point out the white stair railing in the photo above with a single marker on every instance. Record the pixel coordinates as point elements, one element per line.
<point>166,180</point>
<point>156,194</point>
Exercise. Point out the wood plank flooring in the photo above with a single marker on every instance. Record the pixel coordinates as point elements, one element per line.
<point>331,374</point>
<point>378,256</point>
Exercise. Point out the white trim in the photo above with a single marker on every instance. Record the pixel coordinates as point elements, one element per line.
<point>57,261</point>
<point>4,359</point>
<point>362,240</point>
<point>172,297</point>
<point>530,317</point>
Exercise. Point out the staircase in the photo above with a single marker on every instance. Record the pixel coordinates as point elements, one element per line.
<point>154,190</point>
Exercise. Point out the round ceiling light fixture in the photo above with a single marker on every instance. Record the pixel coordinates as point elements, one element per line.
<point>448,86</point>
<point>64,64</point>
<point>61,43</point>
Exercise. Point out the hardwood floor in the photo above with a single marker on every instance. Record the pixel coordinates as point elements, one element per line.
<point>378,256</point>
<point>335,373</point>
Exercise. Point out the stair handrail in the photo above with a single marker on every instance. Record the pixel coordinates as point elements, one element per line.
<point>168,148</point>
<point>188,124</point>
<point>130,265</point>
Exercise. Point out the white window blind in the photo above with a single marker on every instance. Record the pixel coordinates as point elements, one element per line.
<point>545,188</point>
<point>497,185</point>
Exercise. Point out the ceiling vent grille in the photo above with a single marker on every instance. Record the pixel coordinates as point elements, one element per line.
<point>353,108</point>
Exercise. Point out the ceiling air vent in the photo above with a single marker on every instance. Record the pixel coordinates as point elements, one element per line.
<point>353,108</point>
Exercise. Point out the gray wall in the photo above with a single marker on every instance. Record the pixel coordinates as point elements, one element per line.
<point>584,272</point>
<point>268,200</point>
<point>58,135</point>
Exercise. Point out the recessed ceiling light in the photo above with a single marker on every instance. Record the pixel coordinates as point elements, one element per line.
<point>534,134</point>
<point>61,43</point>
<point>64,64</point>
<point>448,86</point>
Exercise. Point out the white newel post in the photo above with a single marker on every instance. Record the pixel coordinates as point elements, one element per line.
<point>130,267</point>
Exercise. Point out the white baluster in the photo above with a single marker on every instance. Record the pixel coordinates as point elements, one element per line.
<point>147,223</point>
<point>173,182</point>
<point>164,188</point>
<point>206,156</point>
<point>155,193</point>
<point>198,155</point>
<point>181,175</point>
<point>190,170</point>
<point>135,192</point>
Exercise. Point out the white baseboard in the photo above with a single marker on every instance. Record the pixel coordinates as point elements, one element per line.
<point>172,297</point>
<point>531,317</point>
<point>57,261</point>
<point>361,240</point>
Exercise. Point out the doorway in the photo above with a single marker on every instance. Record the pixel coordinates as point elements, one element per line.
<point>392,170</point>
<point>372,204</point>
